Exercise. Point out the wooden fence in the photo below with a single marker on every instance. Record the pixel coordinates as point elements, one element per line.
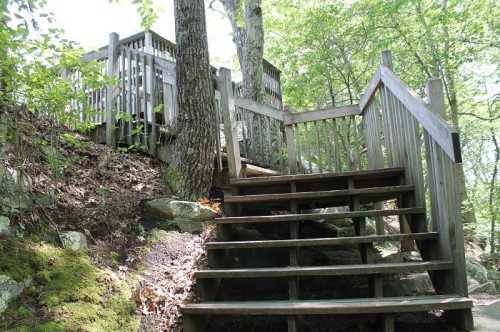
<point>142,110</point>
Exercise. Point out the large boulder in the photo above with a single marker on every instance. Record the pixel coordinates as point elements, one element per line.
<point>73,240</point>
<point>486,288</point>
<point>5,226</point>
<point>9,289</point>
<point>187,216</point>
<point>476,270</point>
<point>408,285</point>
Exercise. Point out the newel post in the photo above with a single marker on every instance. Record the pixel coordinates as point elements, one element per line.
<point>228,115</point>
<point>148,42</point>
<point>450,222</point>
<point>386,59</point>
<point>112,71</point>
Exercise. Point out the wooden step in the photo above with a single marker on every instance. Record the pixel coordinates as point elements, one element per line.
<point>271,180</point>
<point>330,307</point>
<point>319,241</point>
<point>382,192</point>
<point>334,270</point>
<point>319,216</point>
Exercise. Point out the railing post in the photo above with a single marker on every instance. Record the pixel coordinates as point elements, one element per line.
<point>386,59</point>
<point>443,182</point>
<point>291,148</point>
<point>150,86</point>
<point>148,42</point>
<point>228,114</point>
<point>111,94</point>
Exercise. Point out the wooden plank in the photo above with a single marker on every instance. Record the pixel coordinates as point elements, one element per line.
<point>333,270</point>
<point>436,126</point>
<point>129,97</point>
<point>329,113</point>
<point>363,174</point>
<point>97,55</point>
<point>319,216</point>
<point>366,97</point>
<point>336,145</point>
<point>291,148</point>
<point>318,194</point>
<point>257,171</point>
<point>112,70</point>
<point>318,242</point>
<point>227,110</point>
<point>330,307</point>
<point>151,85</point>
<point>262,109</point>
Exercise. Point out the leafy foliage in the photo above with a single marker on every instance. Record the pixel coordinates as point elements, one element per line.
<point>328,51</point>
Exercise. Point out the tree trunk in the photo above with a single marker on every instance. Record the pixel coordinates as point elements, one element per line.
<point>195,144</point>
<point>249,41</point>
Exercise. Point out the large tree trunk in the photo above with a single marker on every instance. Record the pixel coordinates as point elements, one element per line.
<point>249,40</point>
<point>195,144</point>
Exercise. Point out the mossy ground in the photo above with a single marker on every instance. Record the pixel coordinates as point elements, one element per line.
<point>68,292</point>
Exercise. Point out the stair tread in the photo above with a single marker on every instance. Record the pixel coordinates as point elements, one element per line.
<point>332,270</point>
<point>316,216</point>
<point>315,176</point>
<point>319,241</point>
<point>338,306</point>
<point>317,194</point>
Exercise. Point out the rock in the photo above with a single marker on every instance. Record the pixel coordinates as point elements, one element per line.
<point>413,284</point>
<point>486,288</point>
<point>476,270</point>
<point>9,289</point>
<point>5,227</point>
<point>187,216</point>
<point>495,277</point>
<point>73,240</point>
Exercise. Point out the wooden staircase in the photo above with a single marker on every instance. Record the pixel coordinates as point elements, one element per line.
<point>273,267</point>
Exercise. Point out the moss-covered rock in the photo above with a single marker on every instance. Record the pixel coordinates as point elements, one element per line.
<point>69,293</point>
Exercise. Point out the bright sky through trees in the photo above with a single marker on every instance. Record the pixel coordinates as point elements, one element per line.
<point>89,22</point>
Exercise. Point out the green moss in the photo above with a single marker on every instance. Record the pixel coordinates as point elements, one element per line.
<point>69,293</point>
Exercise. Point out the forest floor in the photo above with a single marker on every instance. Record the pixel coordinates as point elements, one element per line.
<point>130,277</point>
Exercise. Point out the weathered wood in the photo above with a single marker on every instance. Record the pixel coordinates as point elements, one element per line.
<point>433,124</point>
<point>259,108</point>
<point>151,78</point>
<point>317,242</point>
<point>367,96</point>
<point>330,113</point>
<point>227,110</point>
<point>291,148</point>
<point>329,307</point>
<point>319,194</point>
<point>112,71</point>
<point>445,201</point>
<point>333,270</point>
<point>358,175</point>
<point>319,216</point>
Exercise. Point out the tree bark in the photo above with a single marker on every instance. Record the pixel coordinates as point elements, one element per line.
<point>195,145</point>
<point>249,41</point>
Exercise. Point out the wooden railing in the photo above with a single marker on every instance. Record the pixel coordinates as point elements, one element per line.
<point>324,140</point>
<point>141,109</point>
<point>391,127</point>
<point>403,131</point>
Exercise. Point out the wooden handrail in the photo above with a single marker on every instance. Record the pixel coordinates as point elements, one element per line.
<point>436,127</point>
<point>325,114</point>
<point>262,109</point>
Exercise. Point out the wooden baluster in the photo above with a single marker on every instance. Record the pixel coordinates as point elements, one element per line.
<point>112,70</point>
<point>318,147</point>
<point>299,149</point>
